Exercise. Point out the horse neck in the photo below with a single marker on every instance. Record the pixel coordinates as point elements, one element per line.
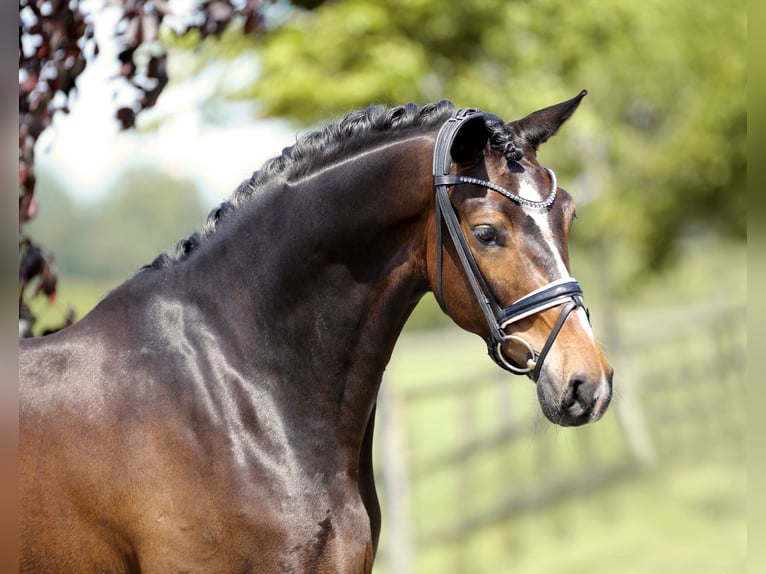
<point>316,279</point>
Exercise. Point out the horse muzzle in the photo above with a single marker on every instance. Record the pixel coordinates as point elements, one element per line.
<point>584,399</point>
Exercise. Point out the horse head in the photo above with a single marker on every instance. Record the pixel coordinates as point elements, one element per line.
<point>505,274</point>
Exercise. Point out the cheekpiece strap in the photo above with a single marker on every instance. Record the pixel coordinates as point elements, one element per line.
<point>562,292</point>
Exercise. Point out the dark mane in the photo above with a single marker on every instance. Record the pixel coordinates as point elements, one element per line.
<point>317,147</point>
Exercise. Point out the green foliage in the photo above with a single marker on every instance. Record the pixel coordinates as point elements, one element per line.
<point>658,148</point>
<point>144,213</point>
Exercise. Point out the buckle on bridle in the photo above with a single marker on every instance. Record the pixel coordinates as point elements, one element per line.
<point>495,351</point>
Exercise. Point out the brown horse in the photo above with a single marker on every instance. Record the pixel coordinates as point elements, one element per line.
<point>215,412</point>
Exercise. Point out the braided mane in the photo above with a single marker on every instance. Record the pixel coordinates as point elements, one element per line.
<point>318,147</point>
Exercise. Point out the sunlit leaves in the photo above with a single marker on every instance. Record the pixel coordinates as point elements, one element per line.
<point>659,141</point>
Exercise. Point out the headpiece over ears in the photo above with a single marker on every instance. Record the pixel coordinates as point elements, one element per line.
<point>470,139</point>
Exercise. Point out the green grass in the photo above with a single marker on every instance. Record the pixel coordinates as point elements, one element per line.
<point>685,520</point>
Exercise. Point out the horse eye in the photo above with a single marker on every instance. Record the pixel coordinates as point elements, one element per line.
<point>486,234</point>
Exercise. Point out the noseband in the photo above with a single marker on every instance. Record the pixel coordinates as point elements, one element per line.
<point>564,291</point>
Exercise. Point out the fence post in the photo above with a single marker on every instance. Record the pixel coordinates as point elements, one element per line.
<point>396,511</point>
<point>629,411</point>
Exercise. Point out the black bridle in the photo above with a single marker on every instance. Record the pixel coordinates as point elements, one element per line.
<point>564,291</point>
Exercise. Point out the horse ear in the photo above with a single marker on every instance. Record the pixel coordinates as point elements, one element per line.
<point>539,126</point>
<point>469,142</point>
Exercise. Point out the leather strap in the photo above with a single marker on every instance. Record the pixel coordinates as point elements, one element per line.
<point>568,308</point>
<point>562,292</point>
<point>441,164</point>
<point>539,301</point>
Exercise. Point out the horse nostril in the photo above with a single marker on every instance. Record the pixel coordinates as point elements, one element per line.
<point>580,395</point>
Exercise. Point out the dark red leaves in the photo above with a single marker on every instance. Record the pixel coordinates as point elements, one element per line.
<point>54,39</point>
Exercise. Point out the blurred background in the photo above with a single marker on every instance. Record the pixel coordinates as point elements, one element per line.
<point>472,478</point>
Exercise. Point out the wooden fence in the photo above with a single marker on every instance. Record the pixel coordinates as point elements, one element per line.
<point>458,457</point>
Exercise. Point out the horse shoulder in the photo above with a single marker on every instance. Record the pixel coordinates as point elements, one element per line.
<point>199,475</point>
